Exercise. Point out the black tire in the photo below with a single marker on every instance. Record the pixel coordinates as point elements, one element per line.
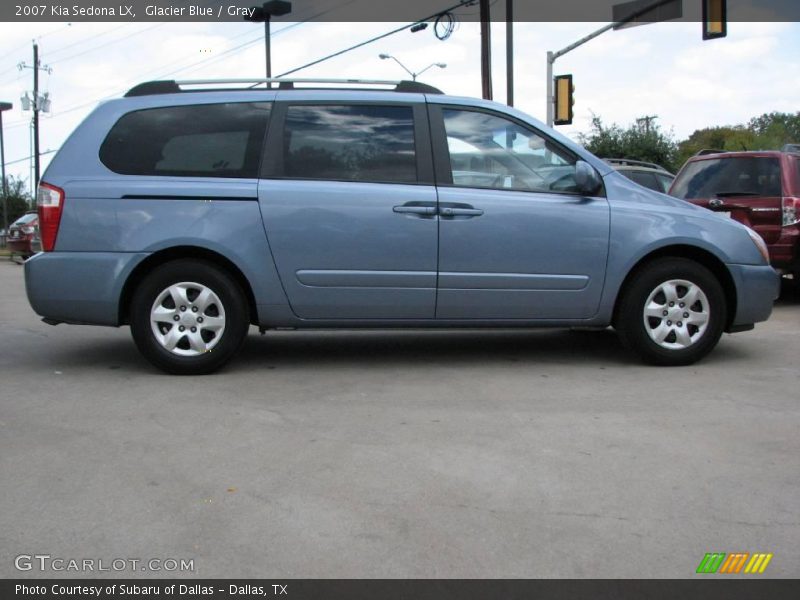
<point>638,334</point>
<point>212,351</point>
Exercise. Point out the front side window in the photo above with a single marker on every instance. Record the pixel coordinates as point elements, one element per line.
<point>350,143</point>
<point>207,140</point>
<point>489,151</point>
<point>729,177</point>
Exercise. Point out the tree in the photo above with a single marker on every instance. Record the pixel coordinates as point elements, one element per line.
<point>776,129</point>
<point>642,140</point>
<point>19,200</point>
<point>769,131</point>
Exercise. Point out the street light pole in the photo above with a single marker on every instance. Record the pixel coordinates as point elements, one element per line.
<point>552,56</point>
<point>265,12</point>
<point>407,70</point>
<point>4,106</point>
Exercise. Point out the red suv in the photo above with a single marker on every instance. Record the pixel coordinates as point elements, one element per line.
<point>759,189</point>
<point>21,234</point>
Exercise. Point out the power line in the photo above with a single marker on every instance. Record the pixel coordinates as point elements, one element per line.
<point>19,160</point>
<point>105,45</point>
<point>89,39</point>
<point>203,62</point>
<point>191,66</point>
<point>376,38</point>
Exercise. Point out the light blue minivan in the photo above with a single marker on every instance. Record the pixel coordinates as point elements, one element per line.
<point>192,210</point>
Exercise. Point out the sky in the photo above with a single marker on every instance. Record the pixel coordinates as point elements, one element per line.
<point>662,69</point>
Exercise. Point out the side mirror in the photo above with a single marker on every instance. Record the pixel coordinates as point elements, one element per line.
<point>587,181</point>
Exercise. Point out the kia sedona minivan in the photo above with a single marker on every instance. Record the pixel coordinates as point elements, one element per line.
<point>193,210</point>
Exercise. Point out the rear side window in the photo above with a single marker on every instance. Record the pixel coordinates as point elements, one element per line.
<point>350,143</point>
<point>207,140</point>
<point>741,176</point>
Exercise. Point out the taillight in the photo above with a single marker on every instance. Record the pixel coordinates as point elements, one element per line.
<point>791,211</point>
<point>50,202</point>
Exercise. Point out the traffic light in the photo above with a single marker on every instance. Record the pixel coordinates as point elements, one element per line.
<point>715,19</point>
<point>564,99</point>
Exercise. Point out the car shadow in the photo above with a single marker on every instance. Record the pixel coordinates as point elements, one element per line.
<point>790,293</point>
<point>398,348</point>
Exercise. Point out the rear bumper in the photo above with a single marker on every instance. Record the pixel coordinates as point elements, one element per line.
<point>784,254</point>
<point>757,287</point>
<point>79,287</point>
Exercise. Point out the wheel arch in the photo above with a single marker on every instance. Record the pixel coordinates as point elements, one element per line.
<point>166,255</point>
<point>696,254</point>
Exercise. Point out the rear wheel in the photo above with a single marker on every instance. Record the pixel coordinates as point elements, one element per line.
<point>189,317</point>
<point>672,312</point>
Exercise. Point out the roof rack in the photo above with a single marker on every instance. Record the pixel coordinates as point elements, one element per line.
<point>151,88</point>
<point>631,162</point>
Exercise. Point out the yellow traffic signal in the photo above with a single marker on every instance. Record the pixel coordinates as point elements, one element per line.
<point>564,99</point>
<point>715,19</point>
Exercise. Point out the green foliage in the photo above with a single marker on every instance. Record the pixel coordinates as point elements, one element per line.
<point>769,131</point>
<point>19,200</point>
<point>643,140</point>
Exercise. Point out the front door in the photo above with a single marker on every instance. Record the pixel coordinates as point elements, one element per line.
<point>516,240</point>
<point>349,208</point>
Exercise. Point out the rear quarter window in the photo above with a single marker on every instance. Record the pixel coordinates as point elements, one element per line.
<point>207,140</point>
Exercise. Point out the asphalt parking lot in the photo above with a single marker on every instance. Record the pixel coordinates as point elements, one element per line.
<point>545,453</point>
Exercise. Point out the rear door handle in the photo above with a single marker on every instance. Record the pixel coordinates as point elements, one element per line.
<point>448,211</point>
<point>415,209</point>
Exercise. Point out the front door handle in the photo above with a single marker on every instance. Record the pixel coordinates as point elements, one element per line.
<point>453,211</point>
<point>416,208</point>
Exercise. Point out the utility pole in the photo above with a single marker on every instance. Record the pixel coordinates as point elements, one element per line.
<point>35,115</point>
<point>646,120</point>
<point>486,50</point>
<point>4,106</point>
<point>37,104</point>
<point>510,52</point>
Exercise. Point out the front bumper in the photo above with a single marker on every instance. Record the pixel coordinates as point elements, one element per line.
<point>757,287</point>
<point>20,245</point>
<point>79,287</point>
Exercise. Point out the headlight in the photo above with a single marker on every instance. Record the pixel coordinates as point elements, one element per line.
<point>760,244</point>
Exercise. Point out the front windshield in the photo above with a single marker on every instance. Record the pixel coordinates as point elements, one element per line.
<point>25,219</point>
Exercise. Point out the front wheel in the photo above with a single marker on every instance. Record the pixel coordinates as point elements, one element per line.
<point>189,317</point>
<point>672,312</point>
